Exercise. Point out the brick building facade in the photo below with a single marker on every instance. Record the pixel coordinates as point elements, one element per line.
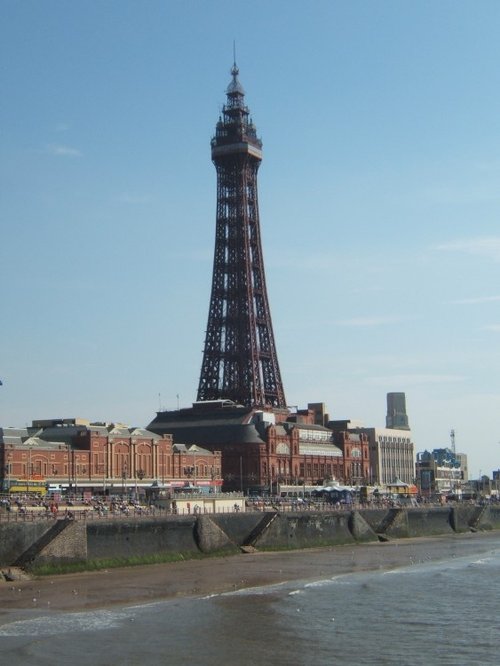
<point>261,448</point>
<point>76,455</point>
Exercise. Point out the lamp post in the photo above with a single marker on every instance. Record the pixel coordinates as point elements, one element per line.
<point>194,468</point>
<point>75,472</point>
<point>29,470</point>
<point>190,470</point>
<point>124,475</point>
<point>69,468</point>
<point>9,458</point>
<point>140,474</point>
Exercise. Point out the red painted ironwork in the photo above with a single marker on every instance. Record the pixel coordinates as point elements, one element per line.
<point>239,361</point>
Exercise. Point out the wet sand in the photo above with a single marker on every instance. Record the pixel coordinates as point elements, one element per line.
<point>139,584</point>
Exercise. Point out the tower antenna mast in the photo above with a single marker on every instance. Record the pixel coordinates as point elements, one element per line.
<point>452,437</point>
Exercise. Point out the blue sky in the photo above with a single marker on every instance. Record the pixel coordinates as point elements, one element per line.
<point>379,201</point>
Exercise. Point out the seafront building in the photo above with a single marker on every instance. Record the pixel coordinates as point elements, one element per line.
<point>77,456</point>
<point>439,472</point>
<point>392,452</point>
<point>261,449</point>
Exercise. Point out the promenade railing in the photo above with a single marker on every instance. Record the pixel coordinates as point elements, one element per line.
<point>127,512</point>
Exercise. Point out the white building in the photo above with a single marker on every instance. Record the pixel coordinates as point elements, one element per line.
<point>392,452</point>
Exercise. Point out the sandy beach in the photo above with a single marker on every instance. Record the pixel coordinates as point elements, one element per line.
<point>139,584</point>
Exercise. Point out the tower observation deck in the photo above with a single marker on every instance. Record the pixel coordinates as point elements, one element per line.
<point>239,360</point>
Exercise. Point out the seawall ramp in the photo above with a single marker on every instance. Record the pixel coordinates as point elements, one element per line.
<point>210,538</point>
<point>394,524</point>
<point>360,529</point>
<point>55,546</point>
<point>463,518</point>
<point>18,537</point>
<point>240,527</point>
<point>486,517</point>
<point>429,521</point>
<point>305,530</point>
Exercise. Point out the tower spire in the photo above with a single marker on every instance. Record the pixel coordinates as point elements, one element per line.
<point>239,360</point>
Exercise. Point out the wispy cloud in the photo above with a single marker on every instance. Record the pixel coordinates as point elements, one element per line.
<point>484,246</point>
<point>492,327</point>
<point>374,321</point>
<point>474,301</point>
<point>63,151</point>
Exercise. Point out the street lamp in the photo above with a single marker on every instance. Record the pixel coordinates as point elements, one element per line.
<point>194,468</point>
<point>29,470</point>
<point>9,458</point>
<point>75,472</point>
<point>140,474</point>
<point>69,468</point>
<point>124,475</point>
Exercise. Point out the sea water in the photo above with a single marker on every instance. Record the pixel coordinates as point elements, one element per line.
<point>428,613</point>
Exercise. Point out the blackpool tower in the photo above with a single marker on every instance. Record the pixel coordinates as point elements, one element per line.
<point>239,360</point>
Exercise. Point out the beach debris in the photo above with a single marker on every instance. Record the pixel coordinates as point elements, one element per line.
<point>14,573</point>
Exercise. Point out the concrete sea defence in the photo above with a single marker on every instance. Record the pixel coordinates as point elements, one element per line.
<point>67,541</point>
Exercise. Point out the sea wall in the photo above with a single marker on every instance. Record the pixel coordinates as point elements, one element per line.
<point>16,538</point>
<point>140,538</point>
<point>32,543</point>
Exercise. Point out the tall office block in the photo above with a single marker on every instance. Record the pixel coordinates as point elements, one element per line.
<point>396,418</point>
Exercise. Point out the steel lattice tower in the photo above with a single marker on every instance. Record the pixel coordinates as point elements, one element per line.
<point>239,361</point>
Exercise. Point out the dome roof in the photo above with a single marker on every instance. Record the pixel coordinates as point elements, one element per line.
<point>235,86</point>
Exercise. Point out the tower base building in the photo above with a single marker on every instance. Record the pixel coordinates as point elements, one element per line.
<point>262,449</point>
